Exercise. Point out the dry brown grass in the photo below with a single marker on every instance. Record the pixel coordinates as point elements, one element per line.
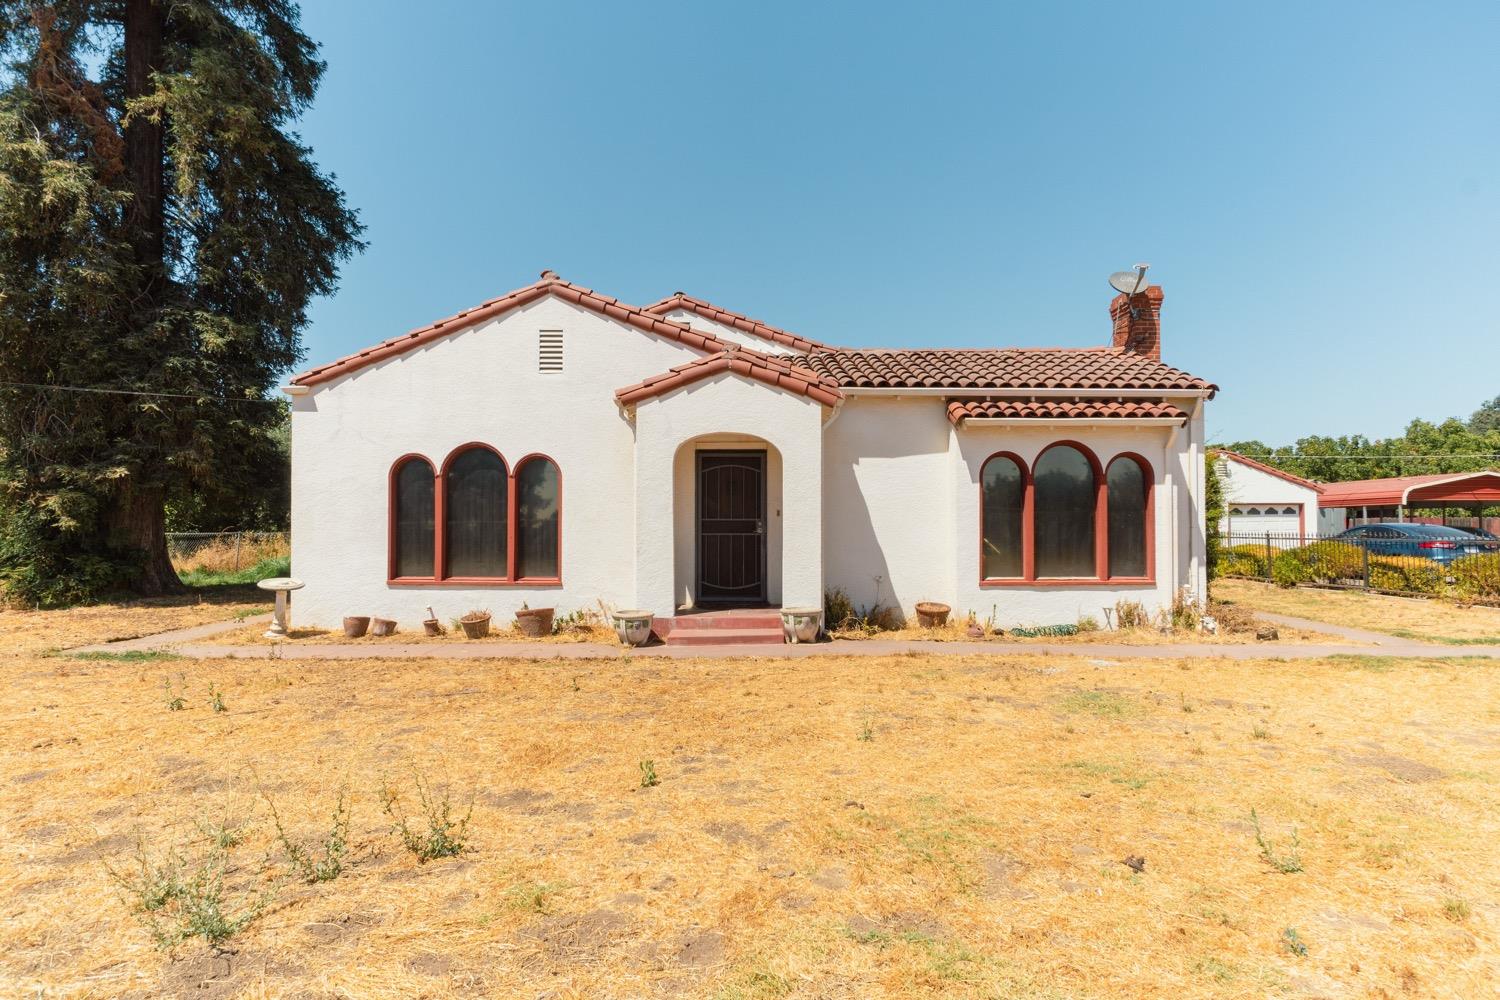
<point>255,635</point>
<point>1407,617</point>
<point>860,827</point>
<point>224,555</point>
<point>36,631</point>
<point>957,631</point>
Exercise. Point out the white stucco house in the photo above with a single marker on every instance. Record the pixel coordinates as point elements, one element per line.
<point>558,447</point>
<point>1263,502</point>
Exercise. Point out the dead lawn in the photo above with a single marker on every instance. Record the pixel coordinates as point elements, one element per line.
<point>840,827</point>
<point>37,631</point>
<point>1406,617</point>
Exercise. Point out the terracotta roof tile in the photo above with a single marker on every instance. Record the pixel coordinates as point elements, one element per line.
<point>754,327</point>
<point>549,284</point>
<point>1001,368</point>
<point>765,368</point>
<point>1054,409</point>
<point>1267,469</point>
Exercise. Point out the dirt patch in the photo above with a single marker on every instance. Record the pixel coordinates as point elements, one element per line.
<point>1400,767</point>
<point>429,963</point>
<point>220,975</point>
<point>521,800</point>
<point>699,949</point>
<point>574,937</point>
<point>734,834</point>
<point>1000,875</point>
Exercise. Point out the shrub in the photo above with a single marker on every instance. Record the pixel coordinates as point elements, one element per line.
<point>837,608</point>
<point>1321,562</point>
<point>1411,575</point>
<point>329,865</point>
<point>1477,576</point>
<point>178,899</point>
<point>1131,614</point>
<point>444,837</point>
<point>1244,560</point>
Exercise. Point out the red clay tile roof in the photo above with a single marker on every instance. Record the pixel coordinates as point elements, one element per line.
<point>754,327</point>
<point>1000,368</point>
<point>1267,469</point>
<point>550,284</point>
<point>761,367</point>
<point>1053,409</point>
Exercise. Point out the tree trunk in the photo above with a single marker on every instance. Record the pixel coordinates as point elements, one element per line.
<point>145,25</point>
<point>137,525</point>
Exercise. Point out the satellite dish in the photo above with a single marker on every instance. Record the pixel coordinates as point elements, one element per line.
<point>1130,282</point>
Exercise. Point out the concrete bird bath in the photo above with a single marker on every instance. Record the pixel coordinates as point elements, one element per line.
<point>282,586</point>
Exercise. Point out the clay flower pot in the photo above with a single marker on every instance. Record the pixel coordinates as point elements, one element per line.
<point>930,614</point>
<point>356,626</point>
<point>475,626</point>
<point>432,627</point>
<point>633,628</point>
<point>534,622</point>
<point>382,626</point>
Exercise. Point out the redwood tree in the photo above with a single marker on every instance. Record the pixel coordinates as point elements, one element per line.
<point>162,232</point>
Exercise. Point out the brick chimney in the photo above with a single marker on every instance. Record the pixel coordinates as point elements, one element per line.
<point>1137,320</point>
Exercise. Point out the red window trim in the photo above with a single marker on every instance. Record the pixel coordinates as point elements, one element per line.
<point>1028,577</point>
<point>440,577</point>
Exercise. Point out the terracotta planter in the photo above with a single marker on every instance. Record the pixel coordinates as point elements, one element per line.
<point>932,615</point>
<point>633,628</point>
<point>534,622</point>
<point>382,626</point>
<point>356,626</point>
<point>801,624</point>
<point>432,627</point>
<point>475,628</point>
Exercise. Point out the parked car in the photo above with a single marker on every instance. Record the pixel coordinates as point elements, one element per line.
<point>1479,533</point>
<point>1425,541</point>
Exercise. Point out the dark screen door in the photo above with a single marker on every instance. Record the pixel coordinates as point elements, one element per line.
<point>732,527</point>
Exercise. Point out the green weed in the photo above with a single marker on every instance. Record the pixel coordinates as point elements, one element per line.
<point>1104,704</point>
<point>1288,863</point>
<point>1292,942</point>
<point>128,656</point>
<point>648,774</point>
<point>328,862</point>
<point>439,833</point>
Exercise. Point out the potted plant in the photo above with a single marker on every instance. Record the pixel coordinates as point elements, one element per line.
<point>931,614</point>
<point>534,622</point>
<point>382,626</point>
<point>476,624</point>
<point>801,624</point>
<point>633,628</point>
<point>356,626</point>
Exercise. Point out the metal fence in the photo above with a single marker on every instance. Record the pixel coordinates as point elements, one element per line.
<point>228,551</point>
<point>1441,567</point>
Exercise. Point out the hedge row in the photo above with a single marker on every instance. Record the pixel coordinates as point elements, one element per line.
<point>1470,578</point>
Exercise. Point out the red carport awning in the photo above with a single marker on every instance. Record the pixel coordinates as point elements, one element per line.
<point>1452,489</point>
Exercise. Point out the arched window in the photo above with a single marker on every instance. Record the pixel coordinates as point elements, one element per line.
<point>1065,508</point>
<point>1128,488</point>
<point>474,514</point>
<point>412,535</point>
<point>538,517</point>
<point>1003,486</point>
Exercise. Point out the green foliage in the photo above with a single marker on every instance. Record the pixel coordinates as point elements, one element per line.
<point>266,568</point>
<point>129,656</point>
<point>1131,614</point>
<point>327,863</point>
<point>1486,419</point>
<point>1293,942</point>
<point>1320,562</point>
<point>1213,515</point>
<point>1477,577</point>
<point>440,832</point>
<point>178,898</point>
<point>173,693</point>
<point>1450,446</point>
<point>1040,631</point>
<point>1248,560</point>
<point>1408,575</point>
<point>180,274</point>
<point>648,774</point>
<point>1289,862</point>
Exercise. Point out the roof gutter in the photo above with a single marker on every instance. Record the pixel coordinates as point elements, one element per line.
<point>1019,393</point>
<point>1075,421</point>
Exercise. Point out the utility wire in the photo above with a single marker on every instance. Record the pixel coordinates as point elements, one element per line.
<point>132,392</point>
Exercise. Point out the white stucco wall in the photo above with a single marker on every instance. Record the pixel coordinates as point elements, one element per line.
<point>1246,486</point>
<point>727,405</point>
<point>477,385</point>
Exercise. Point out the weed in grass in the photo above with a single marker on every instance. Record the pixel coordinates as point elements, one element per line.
<point>244,613</point>
<point>1455,909</point>
<point>758,983</point>
<point>1288,863</point>
<point>222,834</point>
<point>1260,733</point>
<point>129,656</point>
<point>1292,942</point>
<point>328,864</point>
<point>1104,704</point>
<point>1114,772</point>
<point>1187,706</point>
<point>174,694</point>
<point>216,699</point>
<point>866,732</point>
<point>532,896</point>
<point>177,899</point>
<point>648,774</point>
<point>1213,968</point>
<point>444,835</point>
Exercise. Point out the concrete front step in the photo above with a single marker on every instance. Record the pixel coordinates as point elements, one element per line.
<point>718,635</point>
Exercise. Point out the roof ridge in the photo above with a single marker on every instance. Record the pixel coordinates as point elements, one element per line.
<point>1269,470</point>
<point>738,320</point>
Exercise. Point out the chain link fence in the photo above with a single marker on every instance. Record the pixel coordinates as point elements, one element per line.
<point>225,551</point>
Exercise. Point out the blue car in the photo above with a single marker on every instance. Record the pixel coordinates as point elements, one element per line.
<point>1425,541</point>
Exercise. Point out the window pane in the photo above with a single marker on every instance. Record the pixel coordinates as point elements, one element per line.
<point>1001,532</point>
<point>475,514</point>
<point>1127,518</point>
<point>1064,514</point>
<point>536,519</point>
<point>414,519</point>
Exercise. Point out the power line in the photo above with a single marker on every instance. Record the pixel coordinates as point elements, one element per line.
<point>132,392</point>
<point>1360,458</point>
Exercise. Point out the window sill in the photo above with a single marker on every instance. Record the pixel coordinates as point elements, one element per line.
<point>474,581</point>
<point>1118,581</point>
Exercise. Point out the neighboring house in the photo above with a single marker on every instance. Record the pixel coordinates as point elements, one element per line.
<point>1260,501</point>
<point>558,447</point>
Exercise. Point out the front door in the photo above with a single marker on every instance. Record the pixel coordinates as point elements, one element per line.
<point>732,527</point>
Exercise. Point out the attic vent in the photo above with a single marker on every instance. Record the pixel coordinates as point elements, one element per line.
<point>549,352</point>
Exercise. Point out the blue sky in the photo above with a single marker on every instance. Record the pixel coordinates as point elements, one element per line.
<point>1315,185</point>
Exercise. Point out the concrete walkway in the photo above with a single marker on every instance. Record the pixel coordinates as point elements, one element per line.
<point>188,642</point>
